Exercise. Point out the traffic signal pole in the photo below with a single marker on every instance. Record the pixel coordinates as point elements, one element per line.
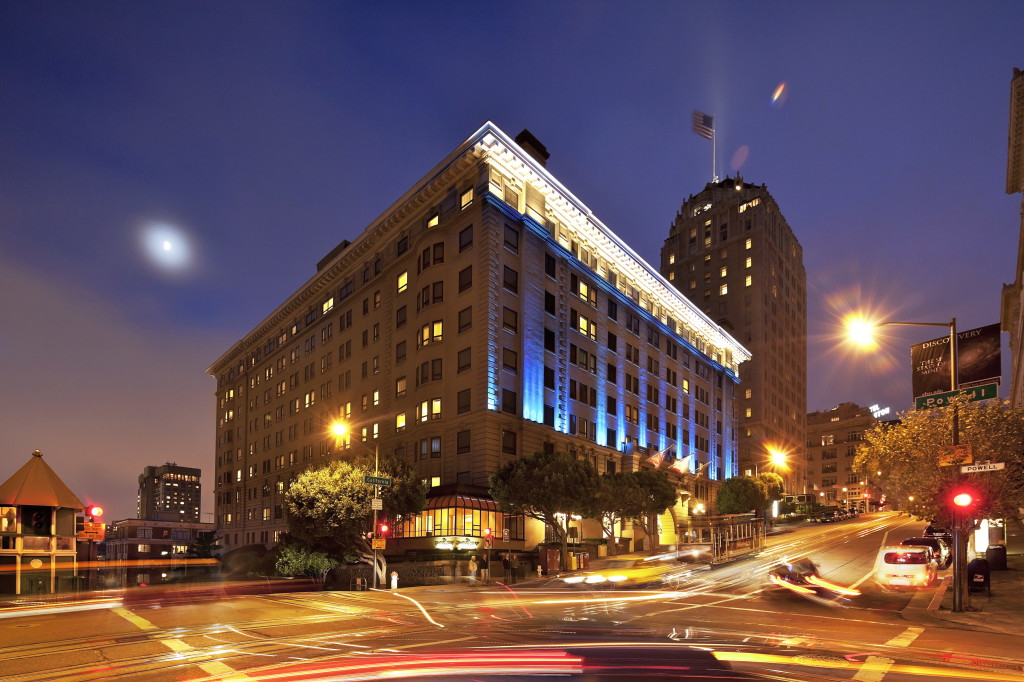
<point>960,596</point>
<point>376,494</point>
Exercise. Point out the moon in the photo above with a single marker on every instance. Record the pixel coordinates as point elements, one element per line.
<point>166,246</point>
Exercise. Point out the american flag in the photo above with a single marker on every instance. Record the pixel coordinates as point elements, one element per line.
<point>703,124</point>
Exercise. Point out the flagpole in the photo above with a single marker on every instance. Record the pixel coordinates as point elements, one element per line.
<point>714,156</point>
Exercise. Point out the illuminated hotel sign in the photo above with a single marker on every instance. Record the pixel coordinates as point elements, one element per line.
<point>457,543</point>
<point>877,411</point>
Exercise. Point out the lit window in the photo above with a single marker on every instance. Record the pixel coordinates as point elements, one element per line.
<point>400,422</point>
<point>723,290</point>
<point>328,305</point>
<point>403,281</point>
<point>376,398</point>
<point>435,481</point>
<point>748,412</point>
<point>748,244</point>
<point>747,393</point>
<point>750,261</point>
<point>671,258</point>
<point>671,276</point>
<point>467,198</point>
<point>748,280</point>
<point>723,272</point>
<point>433,221</point>
<point>686,385</point>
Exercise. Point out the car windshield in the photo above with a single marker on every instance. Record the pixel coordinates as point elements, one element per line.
<point>905,558</point>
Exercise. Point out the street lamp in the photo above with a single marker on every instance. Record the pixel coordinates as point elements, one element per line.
<point>861,332</point>
<point>340,430</point>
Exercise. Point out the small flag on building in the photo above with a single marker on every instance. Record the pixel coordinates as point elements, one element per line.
<point>703,125</point>
<point>682,465</point>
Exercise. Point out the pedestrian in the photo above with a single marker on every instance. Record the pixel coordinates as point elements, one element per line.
<point>506,563</point>
<point>485,574</point>
<point>514,567</point>
<point>473,568</point>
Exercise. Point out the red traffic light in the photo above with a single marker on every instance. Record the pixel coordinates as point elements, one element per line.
<point>94,510</point>
<point>383,528</point>
<point>963,499</point>
<point>487,532</point>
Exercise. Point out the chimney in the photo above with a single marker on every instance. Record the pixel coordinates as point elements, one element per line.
<point>533,147</point>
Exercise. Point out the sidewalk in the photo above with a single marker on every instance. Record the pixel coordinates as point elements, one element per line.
<point>1002,611</point>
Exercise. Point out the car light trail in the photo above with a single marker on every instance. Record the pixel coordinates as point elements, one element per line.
<point>419,605</point>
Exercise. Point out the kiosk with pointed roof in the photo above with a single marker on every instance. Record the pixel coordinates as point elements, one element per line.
<point>37,531</point>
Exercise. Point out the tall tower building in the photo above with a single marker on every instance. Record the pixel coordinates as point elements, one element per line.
<point>170,493</point>
<point>485,315</point>
<point>731,252</point>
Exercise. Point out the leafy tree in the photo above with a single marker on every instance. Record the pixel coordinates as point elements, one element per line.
<point>297,560</point>
<point>618,497</point>
<point>330,508</point>
<point>773,488</point>
<point>205,544</point>
<point>657,493</point>
<point>549,488</point>
<point>907,456</point>
<point>739,495</point>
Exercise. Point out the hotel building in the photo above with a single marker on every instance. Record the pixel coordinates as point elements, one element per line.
<point>731,251</point>
<point>170,493</point>
<point>484,315</point>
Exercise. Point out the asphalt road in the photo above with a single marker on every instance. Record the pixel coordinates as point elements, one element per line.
<point>878,635</point>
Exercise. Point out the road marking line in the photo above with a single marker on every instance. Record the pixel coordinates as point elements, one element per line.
<point>873,669</point>
<point>904,639</point>
<point>137,621</point>
<point>178,646</point>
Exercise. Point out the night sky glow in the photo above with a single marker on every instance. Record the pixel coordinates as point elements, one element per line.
<point>171,172</point>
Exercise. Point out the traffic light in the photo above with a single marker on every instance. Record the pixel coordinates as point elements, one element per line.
<point>383,530</point>
<point>488,538</point>
<point>487,532</point>
<point>963,500</point>
<point>94,510</point>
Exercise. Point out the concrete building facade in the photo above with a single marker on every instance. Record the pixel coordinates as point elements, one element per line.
<point>832,440</point>
<point>485,315</point>
<point>1012,308</point>
<point>731,251</point>
<point>170,493</point>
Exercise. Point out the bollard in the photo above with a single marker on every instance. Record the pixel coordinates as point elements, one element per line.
<point>394,580</point>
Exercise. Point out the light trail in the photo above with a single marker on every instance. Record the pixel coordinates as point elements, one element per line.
<point>419,605</point>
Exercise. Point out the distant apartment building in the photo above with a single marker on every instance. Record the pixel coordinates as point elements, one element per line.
<point>832,440</point>
<point>485,315</point>
<point>170,493</point>
<point>150,551</point>
<point>732,253</point>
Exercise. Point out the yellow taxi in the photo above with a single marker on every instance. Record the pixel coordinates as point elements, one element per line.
<point>622,571</point>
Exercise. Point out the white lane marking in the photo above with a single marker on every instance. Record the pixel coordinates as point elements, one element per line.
<point>906,637</point>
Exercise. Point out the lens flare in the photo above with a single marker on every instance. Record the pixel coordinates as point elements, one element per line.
<point>740,157</point>
<point>780,94</point>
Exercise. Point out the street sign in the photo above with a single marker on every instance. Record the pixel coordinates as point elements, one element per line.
<point>988,466</point>
<point>951,455</point>
<point>983,392</point>
<point>377,504</point>
<point>377,480</point>
<point>488,541</point>
<point>504,534</point>
<point>378,543</point>
<point>92,530</point>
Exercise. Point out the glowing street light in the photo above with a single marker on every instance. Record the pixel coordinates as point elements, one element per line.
<point>340,429</point>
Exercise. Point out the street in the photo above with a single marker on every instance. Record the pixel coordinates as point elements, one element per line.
<point>880,635</point>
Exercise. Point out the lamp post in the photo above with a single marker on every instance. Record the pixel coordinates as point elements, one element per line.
<point>340,429</point>
<point>861,332</point>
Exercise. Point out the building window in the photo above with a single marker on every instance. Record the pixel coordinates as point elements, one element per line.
<point>403,281</point>
<point>466,198</point>
<point>723,290</point>
<point>465,238</point>
<point>464,359</point>
<point>511,280</point>
<point>462,401</point>
<point>748,243</point>
<point>431,332</point>
<point>508,443</point>
<point>748,280</point>
<point>462,442</point>
<point>465,319</point>
<point>511,239</point>
<point>509,401</point>
<point>509,360</point>
<point>400,386</point>
<point>465,278</point>
<point>400,352</point>
<point>549,265</point>
<point>433,220</point>
<point>400,422</point>
<point>510,320</point>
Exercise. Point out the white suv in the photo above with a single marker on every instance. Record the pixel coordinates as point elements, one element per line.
<point>906,566</point>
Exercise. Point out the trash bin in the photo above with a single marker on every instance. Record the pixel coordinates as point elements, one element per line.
<point>996,557</point>
<point>978,575</point>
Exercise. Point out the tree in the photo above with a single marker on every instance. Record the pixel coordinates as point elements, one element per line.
<point>618,497</point>
<point>330,508</point>
<point>773,488</point>
<point>657,493</point>
<point>547,487</point>
<point>297,560</point>
<point>739,495</point>
<point>205,544</point>
<point>902,459</point>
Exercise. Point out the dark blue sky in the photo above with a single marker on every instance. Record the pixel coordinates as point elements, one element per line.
<point>267,132</point>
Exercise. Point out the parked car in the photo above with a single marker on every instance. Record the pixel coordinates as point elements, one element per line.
<point>905,566</point>
<point>940,550</point>
<point>934,532</point>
